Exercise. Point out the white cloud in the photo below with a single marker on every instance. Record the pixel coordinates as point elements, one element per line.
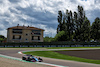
<point>4,6</point>
<point>42,13</point>
<point>3,32</point>
<point>24,3</point>
<point>90,4</point>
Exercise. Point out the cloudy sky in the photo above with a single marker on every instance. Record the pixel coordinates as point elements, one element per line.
<point>41,13</point>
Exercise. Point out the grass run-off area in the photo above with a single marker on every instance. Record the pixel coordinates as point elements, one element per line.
<point>56,55</point>
<point>68,47</point>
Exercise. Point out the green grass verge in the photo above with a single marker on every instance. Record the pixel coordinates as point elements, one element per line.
<point>56,55</point>
<point>69,47</point>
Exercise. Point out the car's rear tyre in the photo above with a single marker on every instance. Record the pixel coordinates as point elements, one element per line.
<point>28,59</point>
<point>40,59</point>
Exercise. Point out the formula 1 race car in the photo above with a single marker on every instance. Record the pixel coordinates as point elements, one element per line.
<point>32,58</point>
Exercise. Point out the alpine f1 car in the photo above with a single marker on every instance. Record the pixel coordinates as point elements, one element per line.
<point>32,58</point>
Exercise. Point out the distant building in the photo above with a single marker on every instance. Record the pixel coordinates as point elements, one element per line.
<point>24,34</point>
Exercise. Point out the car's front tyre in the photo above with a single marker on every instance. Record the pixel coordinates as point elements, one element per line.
<point>23,58</point>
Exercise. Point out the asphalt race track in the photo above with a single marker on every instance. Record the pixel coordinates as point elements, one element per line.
<point>13,52</point>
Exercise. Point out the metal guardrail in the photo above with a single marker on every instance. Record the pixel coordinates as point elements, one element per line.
<point>51,44</point>
<point>1,46</point>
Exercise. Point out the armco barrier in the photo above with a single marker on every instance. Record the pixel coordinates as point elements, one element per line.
<point>52,44</point>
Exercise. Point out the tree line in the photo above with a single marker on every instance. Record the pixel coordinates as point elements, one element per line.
<point>75,26</point>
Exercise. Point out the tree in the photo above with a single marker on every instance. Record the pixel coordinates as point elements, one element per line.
<point>48,39</point>
<point>79,19</point>
<point>76,26</point>
<point>95,29</point>
<point>59,28</point>
<point>2,38</point>
<point>66,23</point>
<point>86,30</point>
<point>69,24</point>
<point>61,36</point>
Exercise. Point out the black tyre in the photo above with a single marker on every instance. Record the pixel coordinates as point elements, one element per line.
<point>28,59</point>
<point>23,58</point>
<point>40,59</point>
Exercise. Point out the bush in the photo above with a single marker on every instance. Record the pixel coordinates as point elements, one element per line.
<point>61,36</point>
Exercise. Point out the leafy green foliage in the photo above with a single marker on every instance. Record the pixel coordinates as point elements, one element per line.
<point>86,30</point>
<point>2,38</point>
<point>95,29</point>
<point>48,39</point>
<point>61,36</point>
<point>82,25</point>
<point>66,23</point>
